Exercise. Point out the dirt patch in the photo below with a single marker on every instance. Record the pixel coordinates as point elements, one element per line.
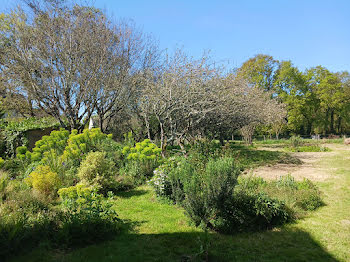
<point>309,168</point>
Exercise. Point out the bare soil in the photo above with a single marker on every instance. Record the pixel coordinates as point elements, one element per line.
<point>311,167</point>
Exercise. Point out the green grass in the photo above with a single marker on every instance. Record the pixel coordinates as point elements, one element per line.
<point>160,232</point>
<point>307,148</point>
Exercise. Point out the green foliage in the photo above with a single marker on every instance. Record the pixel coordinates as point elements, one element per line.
<point>98,171</point>
<point>88,216</point>
<point>63,152</point>
<point>296,141</point>
<point>144,150</point>
<point>298,196</point>
<point>84,218</point>
<point>141,160</point>
<point>2,161</point>
<point>311,148</point>
<point>44,181</point>
<point>211,198</point>
<point>169,178</point>
<point>208,194</point>
<point>14,130</point>
<point>24,124</point>
<point>78,145</point>
<point>51,146</point>
<point>260,71</point>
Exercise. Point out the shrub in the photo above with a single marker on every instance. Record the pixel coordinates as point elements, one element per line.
<point>212,199</point>
<point>44,181</point>
<point>205,149</point>
<point>296,141</point>
<point>88,217</point>
<point>298,196</point>
<point>209,193</point>
<point>144,150</point>
<point>2,161</point>
<point>78,145</point>
<point>141,160</point>
<point>4,180</point>
<point>96,170</point>
<point>84,217</point>
<point>169,178</point>
<point>254,211</point>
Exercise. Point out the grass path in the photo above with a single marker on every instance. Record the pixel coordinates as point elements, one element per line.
<point>161,231</point>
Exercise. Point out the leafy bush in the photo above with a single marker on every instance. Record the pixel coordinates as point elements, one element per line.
<point>295,141</point>
<point>96,170</point>
<point>44,181</point>
<point>212,199</point>
<point>306,194</point>
<point>84,217</point>
<point>78,145</point>
<point>144,150</point>
<point>88,217</point>
<point>250,210</point>
<point>141,161</point>
<point>50,147</point>
<point>2,161</point>
<point>298,196</point>
<point>203,149</point>
<point>209,193</point>
<point>169,178</point>
<point>20,232</point>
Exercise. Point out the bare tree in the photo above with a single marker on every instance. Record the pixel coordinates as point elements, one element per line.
<point>179,95</point>
<point>73,62</point>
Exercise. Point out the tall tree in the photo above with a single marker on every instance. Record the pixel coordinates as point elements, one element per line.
<point>72,61</point>
<point>260,71</point>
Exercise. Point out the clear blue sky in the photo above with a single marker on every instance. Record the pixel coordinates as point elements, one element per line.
<point>308,32</point>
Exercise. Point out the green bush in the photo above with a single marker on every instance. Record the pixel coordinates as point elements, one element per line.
<point>203,149</point>
<point>141,161</point>
<point>298,196</point>
<point>2,161</point>
<point>44,181</point>
<point>98,171</point>
<point>88,217</point>
<point>295,141</point>
<point>169,178</point>
<point>251,211</point>
<point>14,131</point>
<point>84,217</point>
<point>78,145</point>
<point>212,199</point>
<point>208,194</point>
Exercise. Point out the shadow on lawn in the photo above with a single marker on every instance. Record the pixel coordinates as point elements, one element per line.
<point>284,245</point>
<point>249,157</point>
<point>131,193</point>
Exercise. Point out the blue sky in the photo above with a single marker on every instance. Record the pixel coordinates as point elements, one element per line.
<point>309,32</point>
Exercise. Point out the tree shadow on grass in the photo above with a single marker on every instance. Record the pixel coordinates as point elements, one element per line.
<point>283,245</point>
<point>131,193</point>
<point>250,157</point>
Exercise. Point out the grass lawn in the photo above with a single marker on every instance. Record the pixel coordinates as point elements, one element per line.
<point>160,232</point>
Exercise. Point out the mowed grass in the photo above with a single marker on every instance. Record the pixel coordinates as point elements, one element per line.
<point>156,231</point>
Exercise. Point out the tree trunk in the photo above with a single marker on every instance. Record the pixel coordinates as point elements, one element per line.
<point>148,129</point>
<point>339,125</point>
<point>162,138</point>
<point>332,122</point>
